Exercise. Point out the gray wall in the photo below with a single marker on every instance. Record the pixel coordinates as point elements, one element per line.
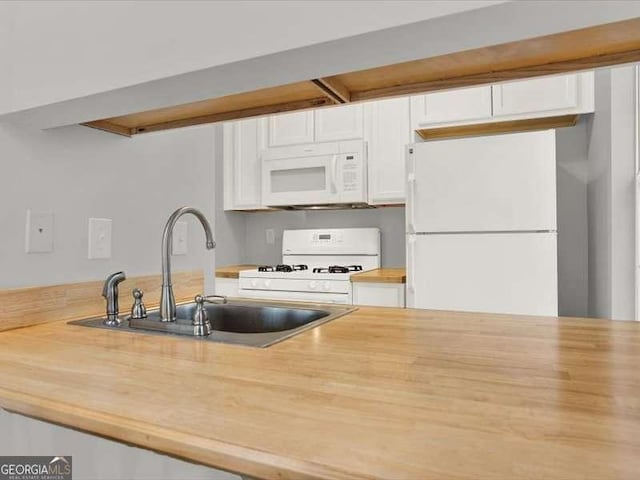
<point>230,227</point>
<point>611,196</point>
<point>573,255</point>
<point>77,173</point>
<point>390,220</point>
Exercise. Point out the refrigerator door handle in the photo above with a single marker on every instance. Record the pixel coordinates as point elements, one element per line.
<point>411,182</point>
<point>411,288</point>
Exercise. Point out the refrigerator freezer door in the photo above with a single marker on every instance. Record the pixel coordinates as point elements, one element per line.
<point>492,183</point>
<point>492,272</point>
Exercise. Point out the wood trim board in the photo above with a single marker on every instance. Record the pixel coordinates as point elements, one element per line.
<point>583,49</point>
<point>493,128</point>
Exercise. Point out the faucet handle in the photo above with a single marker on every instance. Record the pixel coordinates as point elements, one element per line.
<point>138,310</point>
<point>200,321</point>
<point>211,299</point>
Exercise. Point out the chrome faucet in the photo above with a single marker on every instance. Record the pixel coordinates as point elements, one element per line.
<point>167,300</point>
<point>110,292</point>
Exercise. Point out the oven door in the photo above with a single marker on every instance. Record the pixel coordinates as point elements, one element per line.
<point>308,179</point>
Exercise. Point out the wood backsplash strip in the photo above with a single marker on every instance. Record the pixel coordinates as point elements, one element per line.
<point>22,307</point>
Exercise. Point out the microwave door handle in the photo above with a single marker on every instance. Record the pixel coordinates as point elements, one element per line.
<point>334,168</point>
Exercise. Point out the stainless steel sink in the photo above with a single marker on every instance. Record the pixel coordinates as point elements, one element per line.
<point>242,322</point>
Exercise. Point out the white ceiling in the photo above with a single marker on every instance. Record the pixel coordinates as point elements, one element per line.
<point>58,50</point>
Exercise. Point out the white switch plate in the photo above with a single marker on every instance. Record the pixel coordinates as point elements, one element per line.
<point>99,238</point>
<point>39,232</point>
<point>271,236</point>
<point>179,239</point>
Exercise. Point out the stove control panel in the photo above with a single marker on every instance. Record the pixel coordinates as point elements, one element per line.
<point>326,238</point>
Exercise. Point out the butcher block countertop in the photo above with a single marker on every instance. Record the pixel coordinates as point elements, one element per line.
<point>381,275</point>
<point>232,271</point>
<point>381,393</point>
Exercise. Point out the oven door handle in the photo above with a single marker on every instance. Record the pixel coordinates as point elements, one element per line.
<point>334,168</point>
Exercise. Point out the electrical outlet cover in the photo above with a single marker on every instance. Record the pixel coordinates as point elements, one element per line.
<point>179,239</point>
<point>99,238</point>
<point>39,232</point>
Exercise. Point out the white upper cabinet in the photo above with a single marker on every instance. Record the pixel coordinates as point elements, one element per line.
<point>454,106</point>
<point>339,123</point>
<point>388,130</point>
<point>517,100</point>
<point>243,143</point>
<point>345,122</point>
<point>291,129</point>
<point>546,96</point>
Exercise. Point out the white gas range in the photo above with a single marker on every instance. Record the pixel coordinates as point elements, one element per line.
<point>316,266</point>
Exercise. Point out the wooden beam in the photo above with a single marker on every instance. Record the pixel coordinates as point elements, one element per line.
<point>493,128</point>
<point>585,49</point>
<point>235,114</point>
<point>334,89</point>
<point>520,73</point>
<point>107,126</point>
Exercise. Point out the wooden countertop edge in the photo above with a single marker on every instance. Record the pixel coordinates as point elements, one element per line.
<point>233,271</point>
<point>381,275</point>
<point>205,451</point>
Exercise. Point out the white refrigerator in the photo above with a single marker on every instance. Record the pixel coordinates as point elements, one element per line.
<point>481,224</point>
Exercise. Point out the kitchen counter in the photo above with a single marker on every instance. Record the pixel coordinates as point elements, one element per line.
<point>381,275</point>
<point>381,393</point>
<point>232,271</point>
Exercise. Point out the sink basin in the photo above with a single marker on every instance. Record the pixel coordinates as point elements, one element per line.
<point>236,318</point>
<point>242,322</point>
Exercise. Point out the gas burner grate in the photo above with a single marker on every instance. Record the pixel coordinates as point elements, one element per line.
<point>282,268</point>
<point>338,269</point>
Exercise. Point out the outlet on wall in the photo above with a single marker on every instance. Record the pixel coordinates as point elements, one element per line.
<point>99,238</point>
<point>179,239</point>
<point>39,232</point>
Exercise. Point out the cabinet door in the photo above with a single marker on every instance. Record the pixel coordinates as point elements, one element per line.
<point>227,286</point>
<point>243,144</point>
<point>514,273</point>
<point>388,131</point>
<point>483,184</point>
<point>454,106</point>
<point>548,94</point>
<point>339,123</point>
<point>379,294</point>
<point>290,129</point>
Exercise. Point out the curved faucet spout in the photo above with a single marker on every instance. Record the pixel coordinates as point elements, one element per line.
<point>167,300</point>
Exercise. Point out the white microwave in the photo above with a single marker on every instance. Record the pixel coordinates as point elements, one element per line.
<point>315,174</point>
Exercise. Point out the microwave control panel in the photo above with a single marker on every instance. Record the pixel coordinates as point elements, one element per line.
<point>351,173</point>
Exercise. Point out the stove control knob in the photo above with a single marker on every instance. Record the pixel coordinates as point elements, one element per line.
<point>326,286</point>
<point>267,283</point>
<point>313,284</point>
<point>254,283</point>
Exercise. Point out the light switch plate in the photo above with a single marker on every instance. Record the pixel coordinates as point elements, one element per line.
<point>99,238</point>
<point>39,232</point>
<point>270,235</point>
<point>179,239</point>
